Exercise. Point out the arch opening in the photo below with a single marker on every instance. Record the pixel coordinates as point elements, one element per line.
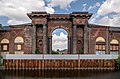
<point>114,47</point>
<point>19,41</point>
<point>59,41</point>
<point>100,46</point>
<point>4,46</point>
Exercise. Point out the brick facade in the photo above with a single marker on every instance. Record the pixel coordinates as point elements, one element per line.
<point>81,35</point>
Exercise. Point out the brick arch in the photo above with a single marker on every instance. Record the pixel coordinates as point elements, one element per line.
<point>4,40</point>
<point>18,39</point>
<point>69,32</point>
<point>57,27</point>
<point>100,39</point>
<point>114,41</point>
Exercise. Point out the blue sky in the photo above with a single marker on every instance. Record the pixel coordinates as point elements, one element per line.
<point>105,12</point>
<point>58,31</point>
<point>68,7</point>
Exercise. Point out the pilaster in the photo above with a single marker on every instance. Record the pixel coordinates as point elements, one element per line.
<point>86,35</point>
<point>34,39</point>
<point>74,39</point>
<point>44,39</point>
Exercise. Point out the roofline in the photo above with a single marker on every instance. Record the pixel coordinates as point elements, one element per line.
<point>20,25</point>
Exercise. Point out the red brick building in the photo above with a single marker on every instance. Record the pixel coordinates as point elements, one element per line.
<point>82,36</point>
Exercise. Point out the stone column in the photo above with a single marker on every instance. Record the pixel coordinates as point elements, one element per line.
<point>34,39</point>
<point>44,39</point>
<point>50,44</point>
<point>86,34</point>
<point>69,45</point>
<point>107,42</point>
<point>74,39</point>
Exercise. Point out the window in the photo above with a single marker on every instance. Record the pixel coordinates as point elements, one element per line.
<point>18,47</point>
<point>5,45</point>
<point>19,41</point>
<point>114,47</point>
<point>100,45</point>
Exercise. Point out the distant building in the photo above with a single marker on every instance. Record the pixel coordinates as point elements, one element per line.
<point>82,37</point>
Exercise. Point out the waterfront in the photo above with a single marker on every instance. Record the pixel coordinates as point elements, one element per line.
<point>58,74</point>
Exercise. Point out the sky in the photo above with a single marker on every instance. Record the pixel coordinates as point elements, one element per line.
<point>59,39</point>
<point>105,12</point>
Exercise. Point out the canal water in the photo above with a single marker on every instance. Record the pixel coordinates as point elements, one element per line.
<point>58,74</point>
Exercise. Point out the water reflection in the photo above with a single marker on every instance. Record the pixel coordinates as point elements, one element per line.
<point>58,74</point>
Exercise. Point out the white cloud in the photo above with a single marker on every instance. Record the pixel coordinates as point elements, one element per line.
<point>16,10</point>
<point>108,13</point>
<point>84,8</point>
<point>97,4</point>
<point>59,42</point>
<point>63,4</point>
<point>88,8</point>
<point>84,5</point>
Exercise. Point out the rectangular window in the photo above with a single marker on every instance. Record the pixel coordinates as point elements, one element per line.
<point>111,47</point>
<point>4,47</point>
<point>97,47</point>
<point>117,48</point>
<point>103,47</point>
<point>100,47</point>
<point>19,47</point>
<point>114,47</point>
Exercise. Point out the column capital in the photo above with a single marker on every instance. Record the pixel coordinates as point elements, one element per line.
<point>68,37</point>
<point>50,37</point>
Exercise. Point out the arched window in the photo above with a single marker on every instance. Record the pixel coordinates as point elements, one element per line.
<point>114,47</point>
<point>19,45</point>
<point>100,45</point>
<point>5,46</point>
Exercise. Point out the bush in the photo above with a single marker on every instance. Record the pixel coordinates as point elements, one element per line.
<point>37,51</point>
<point>0,60</point>
<point>1,57</point>
<point>118,63</point>
<point>81,51</point>
<point>54,52</point>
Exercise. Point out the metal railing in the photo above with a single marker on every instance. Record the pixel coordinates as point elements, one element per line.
<point>58,57</point>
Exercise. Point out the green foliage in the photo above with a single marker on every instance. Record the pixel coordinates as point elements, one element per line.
<point>1,57</point>
<point>0,60</point>
<point>55,52</point>
<point>37,51</point>
<point>81,51</point>
<point>118,62</point>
